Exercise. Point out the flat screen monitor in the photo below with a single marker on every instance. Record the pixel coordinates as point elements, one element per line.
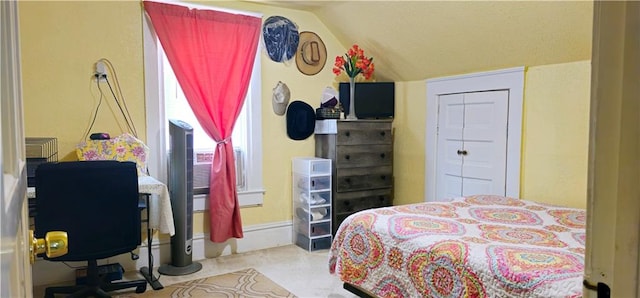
<point>373,100</point>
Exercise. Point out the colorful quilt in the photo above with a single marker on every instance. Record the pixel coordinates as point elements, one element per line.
<point>476,246</point>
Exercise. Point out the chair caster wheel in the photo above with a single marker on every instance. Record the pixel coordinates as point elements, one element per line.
<point>141,289</point>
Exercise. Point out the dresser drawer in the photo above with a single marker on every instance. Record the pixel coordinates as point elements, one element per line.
<point>346,204</point>
<point>352,179</point>
<point>354,133</point>
<point>360,200</point>
<point>363,156</point>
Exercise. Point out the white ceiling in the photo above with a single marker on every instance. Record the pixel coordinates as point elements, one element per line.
<point>417,40</point>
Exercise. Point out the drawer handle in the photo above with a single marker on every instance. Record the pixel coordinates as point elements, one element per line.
<point>381,198</point>
<point>382,155</point>
<point>347,157</point>
<point>347,133</point>
<point>348,180</point>
<point>383,177</point>
<point>382,133</point>
<point>346,203</point>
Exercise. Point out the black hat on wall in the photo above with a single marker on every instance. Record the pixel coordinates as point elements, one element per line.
<point>301,120</point>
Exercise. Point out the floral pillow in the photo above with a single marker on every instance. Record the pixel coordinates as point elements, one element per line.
<point>121,148</point>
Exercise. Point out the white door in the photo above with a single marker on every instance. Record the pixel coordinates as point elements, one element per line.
<point>472,144</point>
<point>15,274</point>
<point>450,129</point>
<point>480,84</point>
<point>612,255</point>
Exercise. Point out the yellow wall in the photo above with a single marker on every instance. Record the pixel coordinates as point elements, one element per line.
<point>556,134</point>
<point>60,43</point>
<point>409,142</point>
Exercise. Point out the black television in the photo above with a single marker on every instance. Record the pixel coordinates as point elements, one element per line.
<point>373,100</point>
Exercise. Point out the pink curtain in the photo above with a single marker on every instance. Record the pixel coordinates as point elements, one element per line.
<point>212,55</point>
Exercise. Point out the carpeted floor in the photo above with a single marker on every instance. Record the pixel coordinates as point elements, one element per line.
<point>244,283</point>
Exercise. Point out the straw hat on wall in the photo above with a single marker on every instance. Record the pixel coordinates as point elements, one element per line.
<point>312,53</point>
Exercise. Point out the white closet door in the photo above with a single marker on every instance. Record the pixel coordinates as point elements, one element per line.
<point>449,163</point>
<point>485,142</point>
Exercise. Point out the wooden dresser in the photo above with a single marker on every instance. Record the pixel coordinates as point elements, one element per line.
<point>362,155</point>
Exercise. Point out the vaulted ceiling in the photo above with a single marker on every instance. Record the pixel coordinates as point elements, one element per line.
<point>417,40</point>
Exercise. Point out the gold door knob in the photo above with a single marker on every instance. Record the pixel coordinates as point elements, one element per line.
<point>54,244</point>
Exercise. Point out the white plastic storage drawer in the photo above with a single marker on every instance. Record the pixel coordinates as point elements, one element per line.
<point>312,244</point>
<point>306,183</point>
<point>310,166</point>
<point>305,198</point>
<point>313,229</point>
<point>311,193</point>
<point>313,214</point>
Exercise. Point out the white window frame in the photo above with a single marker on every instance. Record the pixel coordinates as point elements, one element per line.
<point>157,132</point>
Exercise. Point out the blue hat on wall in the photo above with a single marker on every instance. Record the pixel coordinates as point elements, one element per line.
<point>280,37</point>
<point>301,120</point>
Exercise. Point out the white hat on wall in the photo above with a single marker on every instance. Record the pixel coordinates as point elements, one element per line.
<point>280,99</point>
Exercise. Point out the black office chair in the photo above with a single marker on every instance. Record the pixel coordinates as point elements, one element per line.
<point>96,203</point>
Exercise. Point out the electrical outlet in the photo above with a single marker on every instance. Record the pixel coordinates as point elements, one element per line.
<point>100,72</point>
<point>100,67</point>
<point>101,77</point>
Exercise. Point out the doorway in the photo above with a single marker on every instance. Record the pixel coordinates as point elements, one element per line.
<point>445,165</point>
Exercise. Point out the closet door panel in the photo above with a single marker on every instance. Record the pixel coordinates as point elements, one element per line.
<point>450,128</point>
<point>451,187</point>
<point>479,161</point>
<point>474,186</point>
<point>485,142</point>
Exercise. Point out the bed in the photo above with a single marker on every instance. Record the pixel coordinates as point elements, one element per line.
<point>475,246</point>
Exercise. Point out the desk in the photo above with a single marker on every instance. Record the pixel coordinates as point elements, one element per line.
<point>159,216</point>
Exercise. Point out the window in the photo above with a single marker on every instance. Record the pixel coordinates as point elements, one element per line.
<point>177,107</point>
<point>247,135</point>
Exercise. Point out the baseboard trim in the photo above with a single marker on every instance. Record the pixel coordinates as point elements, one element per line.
<point>256,237</point>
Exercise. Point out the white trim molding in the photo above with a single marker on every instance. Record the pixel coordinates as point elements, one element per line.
<point>511,79</point>
<point>256,237</point>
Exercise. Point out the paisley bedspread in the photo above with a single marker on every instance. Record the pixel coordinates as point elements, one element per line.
<point>476,246</point>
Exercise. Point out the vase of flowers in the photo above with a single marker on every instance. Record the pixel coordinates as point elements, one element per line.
<point>353,63</point>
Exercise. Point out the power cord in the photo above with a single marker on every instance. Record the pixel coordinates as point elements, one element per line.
<point>120,95</point>
<point>73,267</point>
<point>95,115</point>
<point>126,119</point>
<point>101,76</point>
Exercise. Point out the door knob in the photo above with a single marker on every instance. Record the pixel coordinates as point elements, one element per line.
<point>54,244</point>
